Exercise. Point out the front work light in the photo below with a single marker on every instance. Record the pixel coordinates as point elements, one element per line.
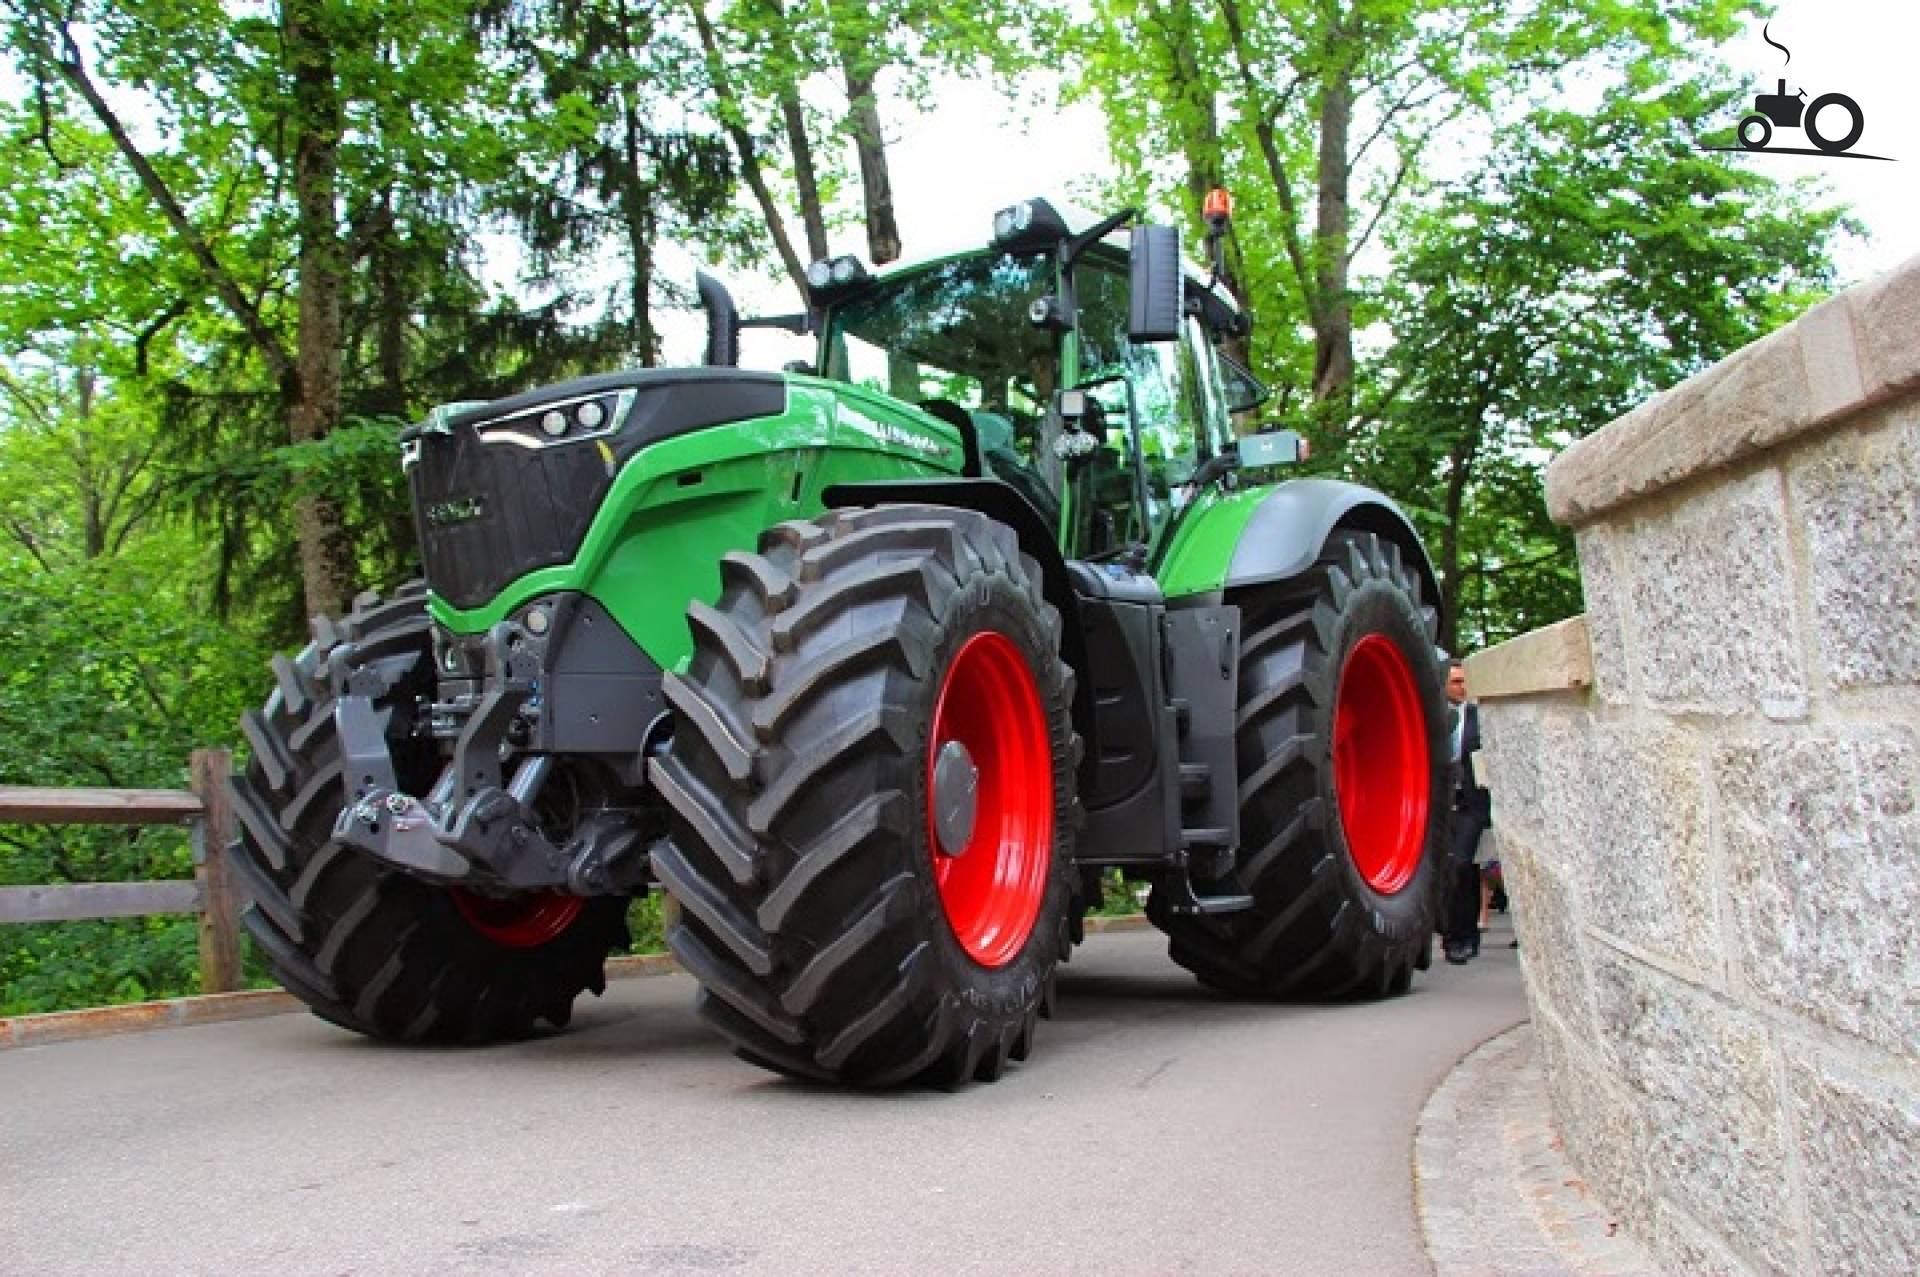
<point>1028,224</point>
<point>833,275</point>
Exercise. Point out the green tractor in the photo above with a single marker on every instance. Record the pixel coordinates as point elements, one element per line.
<point>878,667</point>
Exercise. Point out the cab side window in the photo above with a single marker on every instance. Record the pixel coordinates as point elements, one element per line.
<point>1155,399</point>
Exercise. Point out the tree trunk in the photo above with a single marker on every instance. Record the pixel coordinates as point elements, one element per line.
<point>863,122</point>
<point>731,115</point>
<point>92,499</point>
<point>1333,318</point>
<point>794,117</point>
<point>390,316</point>
<point>1459,472</point>
<point>636,212</point>
<point>1199,123</point>
<point>313,399</point>
<point>803,176</point>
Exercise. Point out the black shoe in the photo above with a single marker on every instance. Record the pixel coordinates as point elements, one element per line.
<point>1473,947</point>
<point>1513,944</point>
<point>1459,954</point>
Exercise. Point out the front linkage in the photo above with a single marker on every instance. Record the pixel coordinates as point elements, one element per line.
<point>527,689</point>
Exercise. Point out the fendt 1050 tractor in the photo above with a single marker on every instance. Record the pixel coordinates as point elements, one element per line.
<point>874,667</point>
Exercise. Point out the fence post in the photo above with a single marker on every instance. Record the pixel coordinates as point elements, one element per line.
<point>219,898</point>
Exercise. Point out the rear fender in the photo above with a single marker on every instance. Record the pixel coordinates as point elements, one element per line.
<point>1275,534</point>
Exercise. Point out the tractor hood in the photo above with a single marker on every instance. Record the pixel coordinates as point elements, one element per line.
<point>503,488</point>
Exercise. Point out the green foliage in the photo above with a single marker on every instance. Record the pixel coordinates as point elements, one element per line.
<point>109,676</point>
<point>1119,898</point>
<point>648,927</point>
<point>56,966</point>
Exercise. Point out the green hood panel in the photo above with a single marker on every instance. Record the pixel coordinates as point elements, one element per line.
<point>679,505</point>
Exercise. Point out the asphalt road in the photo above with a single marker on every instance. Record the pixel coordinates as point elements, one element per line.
<point>1156,1129</point>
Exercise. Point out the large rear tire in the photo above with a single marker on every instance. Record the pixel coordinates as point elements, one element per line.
<point>871,777</point>
<point>365,946</point>
<point>1345,771</point>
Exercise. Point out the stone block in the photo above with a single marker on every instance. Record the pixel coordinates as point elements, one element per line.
<point>1648,870</point>
<point>1749,401</point>
<point>1687,1250</point>
<point>1858,348</point>
<point>1717,1140</point>
<point>1832,358</point>
<point>1553,658</point>
<point>1860,1147</point>
<point>1607,1140</point>
<point>1604,584</point>
<point>1568,766</point>
<point>1886,316</point>
<point>1509,763</point>
<point>1822,843</point>
<point>1858,495</point>
<point>1551,949</point>
<point>1713,602</point>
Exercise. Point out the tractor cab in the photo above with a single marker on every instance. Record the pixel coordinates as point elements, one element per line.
<point>1036,350</point>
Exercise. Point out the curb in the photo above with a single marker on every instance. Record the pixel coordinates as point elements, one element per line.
<point>137,1017</point>
<point>1493,1190</point>
<point>219,1008</point>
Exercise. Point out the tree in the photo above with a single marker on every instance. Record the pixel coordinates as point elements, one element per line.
<point>1320,113</point>
<point>610,158</point>
<point>1597,260</point>
<point>314,169</point>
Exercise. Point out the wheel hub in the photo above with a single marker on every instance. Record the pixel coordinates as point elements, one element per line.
<point>1380,764</point>
<point>956,790</point>
<point>989,794</point>
<point>523,921</point>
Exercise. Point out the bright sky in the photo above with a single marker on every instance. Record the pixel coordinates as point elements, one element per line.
<point>975,153</point>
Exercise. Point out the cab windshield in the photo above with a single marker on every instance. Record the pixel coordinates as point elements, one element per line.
<point>956,339</point>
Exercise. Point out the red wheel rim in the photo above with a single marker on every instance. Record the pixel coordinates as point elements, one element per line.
<point>991,891</point>
<point>519,922</point>
<point>1380,764</point>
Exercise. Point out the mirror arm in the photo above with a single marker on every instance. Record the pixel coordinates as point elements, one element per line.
<point>1220,464</point>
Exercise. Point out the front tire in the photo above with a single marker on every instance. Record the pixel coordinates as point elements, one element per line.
<point>871,779</point>
<point>363,945</point>
<point>1345,770</point>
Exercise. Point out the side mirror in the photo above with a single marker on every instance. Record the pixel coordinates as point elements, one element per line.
<point>1272,448</point>
<point>1153,312</point>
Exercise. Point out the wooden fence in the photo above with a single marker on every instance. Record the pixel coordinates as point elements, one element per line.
<point>211,893</point>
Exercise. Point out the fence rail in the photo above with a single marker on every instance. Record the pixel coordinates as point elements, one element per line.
<point>212,893</point>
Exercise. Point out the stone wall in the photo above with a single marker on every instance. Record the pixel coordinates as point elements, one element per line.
<point>1707,794</point>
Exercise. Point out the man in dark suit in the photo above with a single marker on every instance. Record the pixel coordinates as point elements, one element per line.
<point>1472,815</point>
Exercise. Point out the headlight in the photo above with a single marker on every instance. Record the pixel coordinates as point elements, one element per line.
<point>567,422</point>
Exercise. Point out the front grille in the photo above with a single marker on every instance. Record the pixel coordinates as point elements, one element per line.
<point>495,497</point>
